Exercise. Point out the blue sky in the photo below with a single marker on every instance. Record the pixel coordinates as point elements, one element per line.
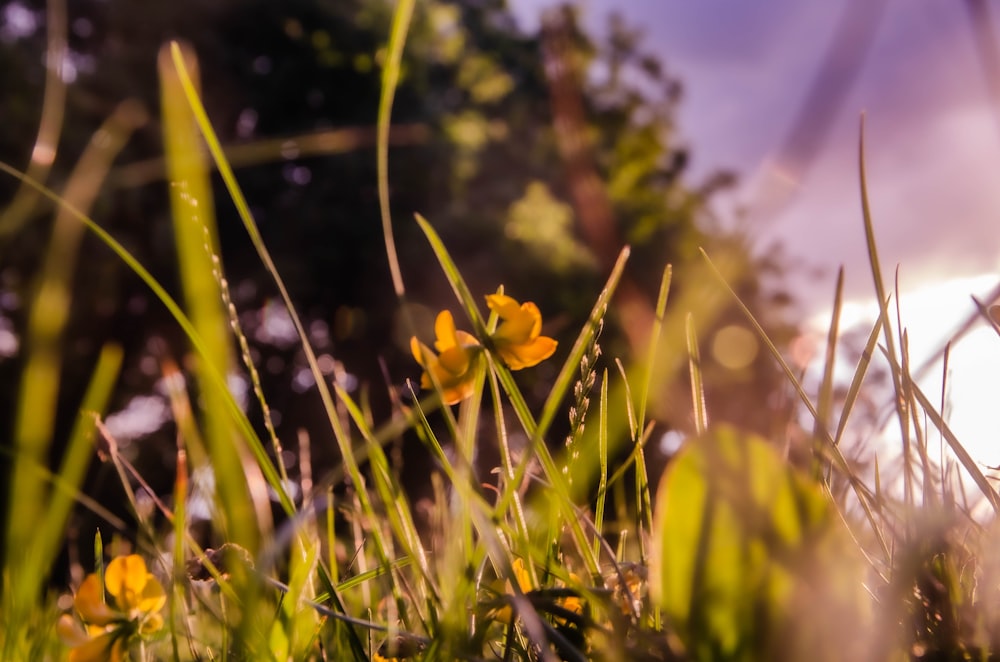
<point>932,143</point>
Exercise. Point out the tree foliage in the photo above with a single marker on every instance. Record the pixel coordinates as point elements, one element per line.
<point>474,150</point>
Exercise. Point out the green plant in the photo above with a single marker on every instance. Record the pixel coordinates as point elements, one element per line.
<point>740,555</point>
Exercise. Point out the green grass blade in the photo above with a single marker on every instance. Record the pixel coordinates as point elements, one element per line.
<point>654,342</point>
<point>873,260</point>
<point>632,456</point>
<point>825,400</point>
<point>177,611</point>
<point>643,502</point>
<point>390,80</point>
<point>970,465</point>
<point>245,428</point>
<point>392,495</point>
<point>854,390</point>
<point>564,381</point>
<point>50,125</point>
<point>904,407</point>
<point>454,277</point>
<point>73,468</point>
<point>246,154</point>
<point>946,357</point>
<point>243,209</point>
<point>602,459</point>
<point>196,239</point>
<point>510,505</point>
<point>840,462</point>
<point>876,270</point>
<point>697,383</point>
<point>559,490</point>
<point>48,314</point>
<point>633,422</point>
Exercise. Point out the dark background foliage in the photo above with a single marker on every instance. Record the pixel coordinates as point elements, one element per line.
<point>474,151</point>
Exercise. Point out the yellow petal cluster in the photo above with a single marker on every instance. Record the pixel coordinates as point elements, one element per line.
<point>453,366</point>
<point>504,614</point>
<point>518,339</point>
<point>130,607</point>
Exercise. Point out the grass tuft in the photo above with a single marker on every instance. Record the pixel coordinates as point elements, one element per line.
<point>738,550</point>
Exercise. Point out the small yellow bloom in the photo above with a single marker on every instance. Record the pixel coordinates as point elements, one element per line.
<point>453,366</point>
<point>517,339</point>
<point>521,574</point>
<point>572,603</point>
<point>97,646</point>
<point>503,614</point>
<point>134,600</point>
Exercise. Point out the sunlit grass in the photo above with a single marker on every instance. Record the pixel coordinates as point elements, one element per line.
<point>739,555</point>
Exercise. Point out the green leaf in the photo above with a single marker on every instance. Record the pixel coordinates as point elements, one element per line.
<point>738,536</point>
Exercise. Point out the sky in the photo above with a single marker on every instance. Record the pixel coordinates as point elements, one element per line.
<point>751,73</point>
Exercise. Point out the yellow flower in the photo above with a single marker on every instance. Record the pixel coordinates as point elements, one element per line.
<point>571,603</point>
<point>453,366</point>
<point>503,614</point>
<point>134,600</point>
<point>517,338</point>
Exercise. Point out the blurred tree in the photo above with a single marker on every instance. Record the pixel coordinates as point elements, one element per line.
<point>295,85</point>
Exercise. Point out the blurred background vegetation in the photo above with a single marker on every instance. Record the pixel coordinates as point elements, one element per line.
<point>535,155</point>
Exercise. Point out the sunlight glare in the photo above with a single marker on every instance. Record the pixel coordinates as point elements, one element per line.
<point>930,316</point>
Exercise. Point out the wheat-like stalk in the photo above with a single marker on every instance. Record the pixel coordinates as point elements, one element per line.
<point>581,398</point>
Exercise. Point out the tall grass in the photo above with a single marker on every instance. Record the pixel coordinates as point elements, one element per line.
<point>739,555</point>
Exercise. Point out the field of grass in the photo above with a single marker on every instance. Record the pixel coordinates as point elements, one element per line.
<point>737,555</point>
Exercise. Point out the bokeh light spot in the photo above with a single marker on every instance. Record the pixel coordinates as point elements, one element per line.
<point>734,347</point>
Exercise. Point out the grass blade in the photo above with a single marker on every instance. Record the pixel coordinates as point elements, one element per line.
<point>48,314</point>
<point>43,154</point>
<point>196,238</point>
<point>825,401</point>
<point>76,459</point>
<point>697,384</point>
<point>243,209</point>
<point>859,376</point>
<point>390,80</point>
<point>860,489</point>
<point>654,342</point>
<point>961,453</point>
<point>602,459</point>
<point>454,276</point>
<point>876,270</point>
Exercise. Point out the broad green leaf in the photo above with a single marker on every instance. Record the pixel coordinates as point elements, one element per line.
<point>741,548</point>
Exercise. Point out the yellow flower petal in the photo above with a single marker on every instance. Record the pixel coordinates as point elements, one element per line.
<point>125,578</point>
<point>517,339</point>
<point>528,354</point>
<point>452,369</point>
<point>517,329</point>
<point>503,305</point>
<point>501,614</point>
<point>444,331</point>
<point>505,613</point>
<point>108,647</point>
<point>152,623</point>
<point>153,597</point>
<point>139,597</point>
<point>452,396</point>
<point>90,606</point>
<point>521,574</point>
<point>70,631</point>
<point>420,351</point>
<point>455,361</point>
